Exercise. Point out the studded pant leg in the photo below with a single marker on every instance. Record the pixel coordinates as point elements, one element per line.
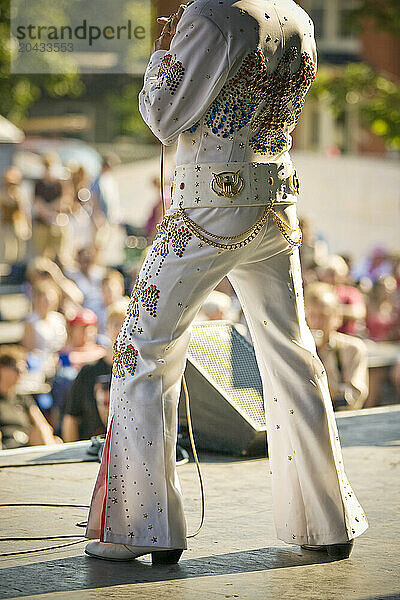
<point>137,498</point>
<point>313,500</point>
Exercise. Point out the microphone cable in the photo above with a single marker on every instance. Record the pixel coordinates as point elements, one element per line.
<point>184,384</point>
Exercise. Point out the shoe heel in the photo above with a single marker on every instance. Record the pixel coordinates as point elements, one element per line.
<point>165,557</point>
<point>340,551</point>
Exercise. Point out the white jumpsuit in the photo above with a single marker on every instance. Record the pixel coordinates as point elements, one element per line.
<point>230,90</point>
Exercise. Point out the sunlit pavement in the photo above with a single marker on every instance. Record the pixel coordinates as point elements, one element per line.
<point>236,554</point>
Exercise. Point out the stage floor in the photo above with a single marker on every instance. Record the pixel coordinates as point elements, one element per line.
<point>236,555</point>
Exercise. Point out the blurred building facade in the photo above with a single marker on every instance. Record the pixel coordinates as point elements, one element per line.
<point>319,129</point>
<point>91,118</point>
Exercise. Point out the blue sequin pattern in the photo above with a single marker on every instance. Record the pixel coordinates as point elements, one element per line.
<point>269,104</point>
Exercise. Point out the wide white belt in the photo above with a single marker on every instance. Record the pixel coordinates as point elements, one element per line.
<point>233,184</point>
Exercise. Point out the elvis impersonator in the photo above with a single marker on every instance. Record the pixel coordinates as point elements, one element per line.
<point>227,79</point>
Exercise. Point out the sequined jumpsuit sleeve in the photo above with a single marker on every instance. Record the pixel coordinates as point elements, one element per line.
<point>181,83</point>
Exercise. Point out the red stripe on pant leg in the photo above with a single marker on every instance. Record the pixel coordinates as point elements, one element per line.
<point>106,453</point>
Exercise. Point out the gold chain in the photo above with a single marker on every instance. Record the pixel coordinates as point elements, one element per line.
<point>196,230</point>
<point>251,233</point>
<point>287,231</point>
<point>182,213</point>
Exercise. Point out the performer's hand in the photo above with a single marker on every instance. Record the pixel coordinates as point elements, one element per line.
<point>169,29</point>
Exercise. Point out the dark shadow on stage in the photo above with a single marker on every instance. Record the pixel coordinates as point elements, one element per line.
<point>83,572</point>
<point>380,597</point>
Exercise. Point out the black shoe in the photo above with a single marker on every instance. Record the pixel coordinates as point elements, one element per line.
<point>165,557</point>
<point>336,551</point>
<point>123,552</point>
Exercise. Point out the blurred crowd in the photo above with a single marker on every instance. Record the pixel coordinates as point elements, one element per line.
<point>55,372</point>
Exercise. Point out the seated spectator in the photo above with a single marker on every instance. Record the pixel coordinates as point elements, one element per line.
<point>374,266</point>
<point>47,232</point>
<point>81,346</point>
<point>84,414</point>
<point>44,269</point>
<point>313,251</point>
<point>45,332</point>
<point>343,356</point>
<point>15,225</point>
<point>335,272</point>
<point>113,289</point>
<point>381,310</point>
<point>21,421</point>
<point>80,349</point>
<point>102,396</point>
<point>216,307</point>
<point>88,276</point>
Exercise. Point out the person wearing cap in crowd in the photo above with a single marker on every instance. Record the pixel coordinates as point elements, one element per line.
<point>81,346</point>
<point>83,415</point>
<point>227,80</point>
<point>21,421</point>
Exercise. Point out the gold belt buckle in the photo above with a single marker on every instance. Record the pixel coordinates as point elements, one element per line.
<point>294,183</point>
<point>227,183</point>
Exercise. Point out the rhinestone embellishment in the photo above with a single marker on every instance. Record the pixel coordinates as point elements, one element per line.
<point>170,72</point>
<point>124,360</point>
<point>270,104</point>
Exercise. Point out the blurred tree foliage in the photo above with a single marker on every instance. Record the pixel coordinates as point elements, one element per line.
<point>385,13</point>
<point>123,101</point>
<point>125,105</point>
<point>19,91</point>
<point>376,96</point>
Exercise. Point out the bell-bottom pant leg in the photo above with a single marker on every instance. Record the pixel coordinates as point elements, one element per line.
<point>137,498</point>
<point>313,500</point>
